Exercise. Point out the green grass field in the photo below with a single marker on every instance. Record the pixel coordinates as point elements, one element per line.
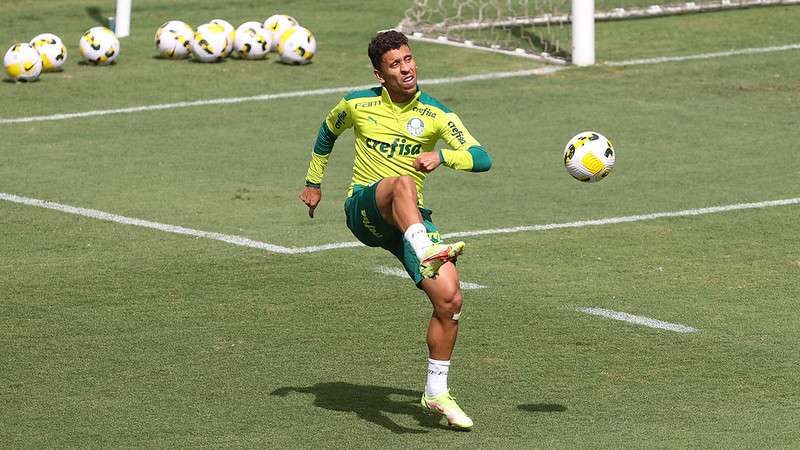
<point>114,335</point>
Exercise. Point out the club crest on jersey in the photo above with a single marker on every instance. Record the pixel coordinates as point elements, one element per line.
<point>415,126</point>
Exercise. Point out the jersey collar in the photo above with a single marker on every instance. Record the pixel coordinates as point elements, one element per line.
<point>401,107</point>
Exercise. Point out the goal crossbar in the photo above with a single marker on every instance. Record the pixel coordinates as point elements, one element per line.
<point>438,32</point>
<point>612,14</point>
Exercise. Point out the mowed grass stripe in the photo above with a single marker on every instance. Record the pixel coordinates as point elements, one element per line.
<point>338,90</point>
<point>247,242</point>
<point>269,97</point>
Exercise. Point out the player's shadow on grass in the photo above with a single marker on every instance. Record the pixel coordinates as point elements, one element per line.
<point>370,403</point>
<point>542,407</point>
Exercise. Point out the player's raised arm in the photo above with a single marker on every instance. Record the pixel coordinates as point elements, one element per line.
<point>465,152</point>
<point>338,120</point>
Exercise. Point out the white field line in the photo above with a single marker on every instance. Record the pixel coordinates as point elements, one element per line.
<point>394,271</point>
<point>624,219</point>
<point>268,97</point>
<point>247,242</point>
<point>337,90</point>
<point>639,320</point>
<point>664,59</point>
<point>101,215</point>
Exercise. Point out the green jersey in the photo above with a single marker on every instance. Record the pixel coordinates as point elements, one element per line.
<point>389,136</point>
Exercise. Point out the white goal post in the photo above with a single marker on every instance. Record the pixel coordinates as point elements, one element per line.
<point>122,21</point>
<point>583,32</point>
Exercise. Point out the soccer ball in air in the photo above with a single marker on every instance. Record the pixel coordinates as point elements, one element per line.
<point>99,46</point>
<point>276,25</point>
<point>230,31</point>
<point>252,41</point>
<point>209,43</point>
<point>589,156</point>
<point>22,63</point>
<point>174,39</point>
<point>52,51</point>
<point>297,46</point>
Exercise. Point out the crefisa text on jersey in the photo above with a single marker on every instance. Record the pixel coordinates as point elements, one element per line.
<point>398,146</point>
<point>340,119</point>
<point>457,133</point>
<point>424,112</point>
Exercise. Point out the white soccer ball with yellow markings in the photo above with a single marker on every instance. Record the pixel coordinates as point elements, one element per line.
<point>589,156</point>
<point>276,25</point>
<point>209,43</point>
<point>52,50</point>
<point>297,46</point>
<point>22,62</point>
<point>252,41</point>
<point>230,31</point>
<point>99,46</point>
<point>174,39</point>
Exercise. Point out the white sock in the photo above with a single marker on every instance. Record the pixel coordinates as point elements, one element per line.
<point>417,236</point>
<point>437,377</point>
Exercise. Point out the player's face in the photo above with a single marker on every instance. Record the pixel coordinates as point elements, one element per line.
<point>398,73</point>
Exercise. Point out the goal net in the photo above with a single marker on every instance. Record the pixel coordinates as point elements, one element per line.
<point>538,29</point>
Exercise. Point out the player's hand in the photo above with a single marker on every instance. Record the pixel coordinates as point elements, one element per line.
<point>311,197</point>
<point>427,162</point>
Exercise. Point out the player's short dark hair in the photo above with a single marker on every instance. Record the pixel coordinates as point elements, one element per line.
<point>382,43</point>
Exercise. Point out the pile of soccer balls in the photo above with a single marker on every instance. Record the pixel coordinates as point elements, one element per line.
<point>26,61</point>
<point>46,52</point>
<point>210,42</point>
<point>218,39</point>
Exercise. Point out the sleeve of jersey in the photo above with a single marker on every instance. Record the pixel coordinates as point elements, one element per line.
<point>465,151</point>
<point>337,121</point>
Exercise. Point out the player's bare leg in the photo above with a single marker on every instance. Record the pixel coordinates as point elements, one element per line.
<point>397,201</point>
<point>396,198</point>
<point>445,296</point>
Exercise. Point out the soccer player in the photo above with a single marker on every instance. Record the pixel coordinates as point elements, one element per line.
<point>396,127</point>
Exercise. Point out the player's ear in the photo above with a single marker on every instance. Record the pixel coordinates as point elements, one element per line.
<point>378,75</point>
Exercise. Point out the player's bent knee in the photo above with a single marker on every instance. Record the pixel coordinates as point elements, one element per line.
<point>398,187</point>
<point>406,180</point>
<point>406,184</point>
<point>449,306</point>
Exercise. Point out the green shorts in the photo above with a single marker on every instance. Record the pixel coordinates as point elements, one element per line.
<point>366,223</point>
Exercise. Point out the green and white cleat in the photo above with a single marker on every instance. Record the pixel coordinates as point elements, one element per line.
<point>436,255</point>
<point>444,403</point>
